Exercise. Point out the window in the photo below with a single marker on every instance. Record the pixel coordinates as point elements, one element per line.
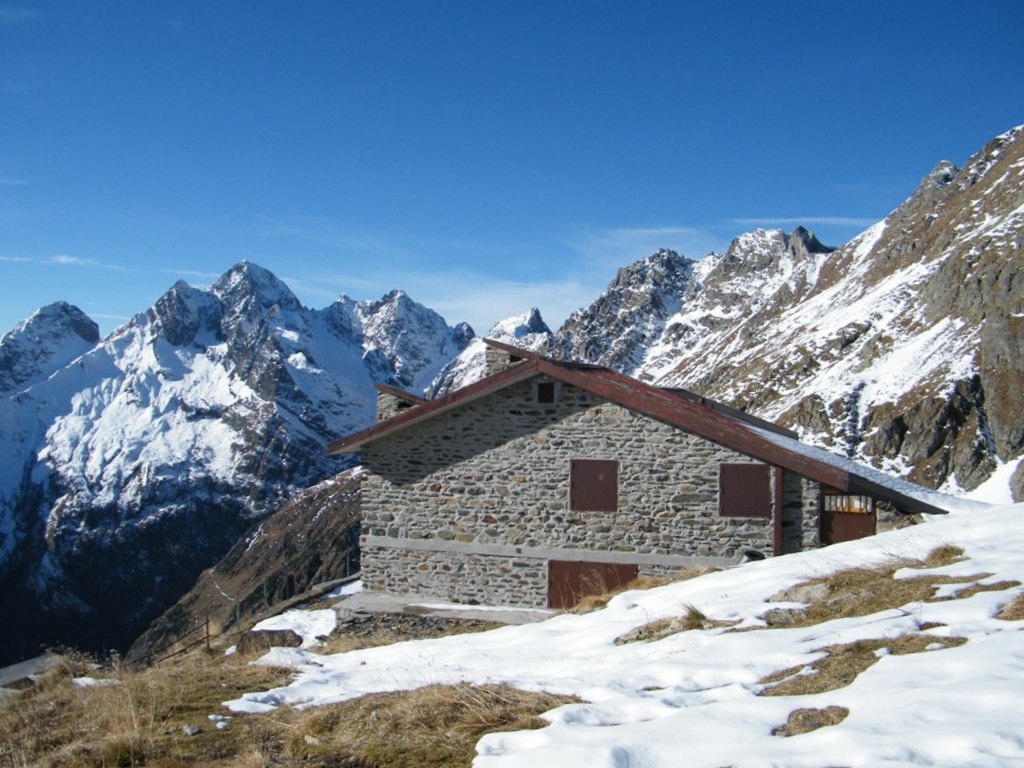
<point>744,490</point>
<point>546,392</point>
<point>841,502</point>
<point>594,485</point>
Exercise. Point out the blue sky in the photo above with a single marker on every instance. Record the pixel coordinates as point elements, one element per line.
<point>486,157</point>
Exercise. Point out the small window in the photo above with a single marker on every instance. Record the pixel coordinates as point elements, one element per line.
<point>546,392</point>
<point>841,502</point>
<point>594,485</point>
<point>744,490</point>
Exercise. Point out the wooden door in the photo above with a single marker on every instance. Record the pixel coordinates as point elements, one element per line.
<point>570,581</point>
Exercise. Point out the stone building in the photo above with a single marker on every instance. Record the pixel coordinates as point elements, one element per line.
<point>546,481</point>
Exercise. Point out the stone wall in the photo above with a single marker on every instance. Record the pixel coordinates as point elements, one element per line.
<point>462,577</point>
<point>811,522</point>
<point>493,477</point>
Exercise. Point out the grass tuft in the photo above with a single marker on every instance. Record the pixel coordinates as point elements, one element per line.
<point>945,554</point>
<point>842,663</point>
<point>807,720</point>
<point>595,602</point>
<point>863,591</point>
<point>1013,610</point>
<point>434,726</point>
<point>656,630</point>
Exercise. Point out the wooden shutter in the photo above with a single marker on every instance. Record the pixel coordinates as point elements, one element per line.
<point>594,485</point>
<point>744,490</point>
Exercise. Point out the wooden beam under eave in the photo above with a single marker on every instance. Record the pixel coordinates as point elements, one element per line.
<point>777,543</point>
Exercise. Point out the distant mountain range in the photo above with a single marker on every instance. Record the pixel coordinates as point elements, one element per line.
<point>130,464</point>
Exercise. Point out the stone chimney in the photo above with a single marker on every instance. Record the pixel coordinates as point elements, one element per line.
<point>392,401</point>
<point>498,357</point>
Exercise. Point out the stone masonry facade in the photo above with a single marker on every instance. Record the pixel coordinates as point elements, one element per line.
<point>472,504</point>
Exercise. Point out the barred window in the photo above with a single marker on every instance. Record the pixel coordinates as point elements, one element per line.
<point>843,502</point>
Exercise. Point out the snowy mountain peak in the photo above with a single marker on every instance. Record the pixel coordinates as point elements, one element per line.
<point>770,247</point>
<point>520,328</point>
<point>662,268</point>
<point>246,282</point>
<point>48,339</point>
<point>526,331</point>
<point>155,449</point>
<point>182,311</point>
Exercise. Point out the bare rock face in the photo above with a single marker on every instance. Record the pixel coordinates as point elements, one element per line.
<point>630,316</point>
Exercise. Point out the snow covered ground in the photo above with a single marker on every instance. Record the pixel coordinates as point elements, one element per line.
<point>692,697</point>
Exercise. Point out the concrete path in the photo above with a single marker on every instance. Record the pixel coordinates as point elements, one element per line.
<point>375,602</point>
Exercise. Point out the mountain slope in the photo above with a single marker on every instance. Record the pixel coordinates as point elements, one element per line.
<point>902,348</point>
<point>152,452</point>
<point>311,539</point>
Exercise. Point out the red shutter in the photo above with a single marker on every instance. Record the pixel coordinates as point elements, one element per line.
<point>594,485</point>
<point>744,490</point>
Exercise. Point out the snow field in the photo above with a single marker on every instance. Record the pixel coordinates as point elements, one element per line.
<point>692,697</point>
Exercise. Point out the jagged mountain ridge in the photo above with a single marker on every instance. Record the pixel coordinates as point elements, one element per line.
<point>153,450</point>
<point>902,348</point>
<point>526,331</point>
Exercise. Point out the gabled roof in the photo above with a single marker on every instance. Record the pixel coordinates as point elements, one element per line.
<point>681,409</point>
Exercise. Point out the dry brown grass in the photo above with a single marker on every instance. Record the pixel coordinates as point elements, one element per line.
<point>1013,610</point>
<point>973,589</point>
<point>656,630</point>
<point>863,591</point>
<point>345,640</point>
<point>807,720</point>
<point>944,554</point>
<point>433,726</point>
<point>594,602</point>
<point>141,720</point>
<point>842,663</point>
<point>136,722</point>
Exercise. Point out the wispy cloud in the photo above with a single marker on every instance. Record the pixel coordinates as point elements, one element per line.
<point>12,14</point>
<point>104,316</point>
<point>7,181</point>
<point>785,221</point>
<point>195,274</point>
<point>15,259</point>
<point>329,234</point>
<point>624,245</point>
<point>65,260</point>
